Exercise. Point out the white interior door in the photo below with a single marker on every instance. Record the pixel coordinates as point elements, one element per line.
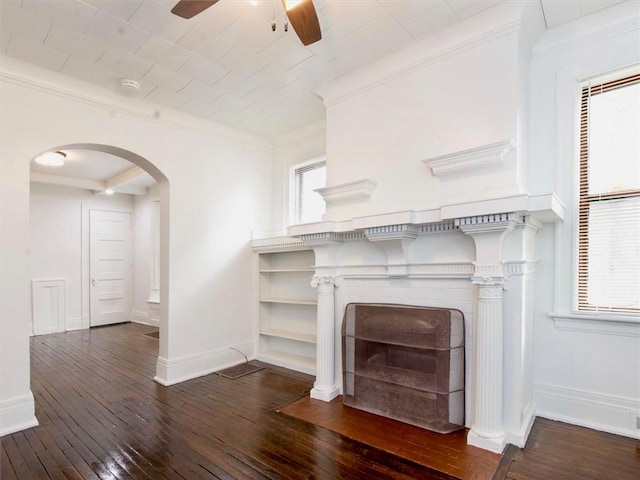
<point>110,267</point>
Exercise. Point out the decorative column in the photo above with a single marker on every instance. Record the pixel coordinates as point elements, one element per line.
<point>325,247</point>
<point>487,425</point>
<point>488,233</point>
<point>324,388</point>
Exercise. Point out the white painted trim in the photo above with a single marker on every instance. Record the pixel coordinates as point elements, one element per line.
<point>177,370</point>
<point>143,318</point>
<point>621,325</point>
<point>608,413</point>
<point>495,444</point>
<point>617,19</point>
<point>470,159</point>
<point>37,288</point>
<point>82,183</point>
<point>73,323</point>
<point>488,25</point>
<point>85,270</point>
<point>356,190</point>
<point>17,414</point>
<point>36,78</point>
<point>277,244</point>
<point>547,208</point>
<point>325,395</point>
<point>519,439</point>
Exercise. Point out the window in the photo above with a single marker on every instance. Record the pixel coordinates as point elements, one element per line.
<point>609,203</point>
<point>307,204</point>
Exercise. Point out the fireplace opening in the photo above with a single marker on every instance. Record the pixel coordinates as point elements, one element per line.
<point>405,363</point>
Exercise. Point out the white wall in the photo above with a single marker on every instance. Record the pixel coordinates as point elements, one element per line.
<point>451,92</point>
<point>56,239</point>
<point>288,150</point>
<point>218,179</point>
<point>587,370</point>
<point>145,224</point>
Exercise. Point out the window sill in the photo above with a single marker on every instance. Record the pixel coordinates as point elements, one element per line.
<point>608,324</point>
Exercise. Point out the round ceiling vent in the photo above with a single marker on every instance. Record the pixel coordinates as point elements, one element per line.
<point>129,85</point>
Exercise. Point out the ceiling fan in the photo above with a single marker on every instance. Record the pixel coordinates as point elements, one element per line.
<point>301,14</point>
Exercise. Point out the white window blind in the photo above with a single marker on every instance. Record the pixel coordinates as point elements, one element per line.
<point>609,206</point>
<point>308,205</point>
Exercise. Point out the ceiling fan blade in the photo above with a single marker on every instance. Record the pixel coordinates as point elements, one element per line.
<point>190,8</point>
<point>304,20</point>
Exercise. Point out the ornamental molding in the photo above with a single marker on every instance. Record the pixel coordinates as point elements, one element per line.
<point>323,281</point>
<point>277,244</point>
<point>489,223</point>
<point>392,232</point>
<point>473,158</point>
<point>449,226</point>
<point>356,190</point>
<point>315,238</point>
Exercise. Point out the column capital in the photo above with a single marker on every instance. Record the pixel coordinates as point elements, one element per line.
<point>323,281</point>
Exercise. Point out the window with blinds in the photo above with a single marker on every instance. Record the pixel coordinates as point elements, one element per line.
<point>308,205</point>
<point>609,205</point>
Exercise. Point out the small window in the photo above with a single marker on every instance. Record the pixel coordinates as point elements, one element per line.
<point>609,204</point>
<point>307,204</point>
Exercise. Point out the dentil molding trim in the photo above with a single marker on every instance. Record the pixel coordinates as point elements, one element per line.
<point>275,244</point>
<point>356,190</point>
<point>491,154</point>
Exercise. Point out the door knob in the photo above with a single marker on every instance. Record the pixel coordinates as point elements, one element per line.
<point>93,282</point>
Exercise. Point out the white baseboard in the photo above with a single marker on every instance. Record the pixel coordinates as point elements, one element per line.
<point>73,323</point>
<point>519,439</point>
<point>17,414</point>
<point>608,413</point>
<point>176,370</point>
<point>143,318</point>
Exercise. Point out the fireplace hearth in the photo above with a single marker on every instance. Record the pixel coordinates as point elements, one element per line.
<point>406,363</point>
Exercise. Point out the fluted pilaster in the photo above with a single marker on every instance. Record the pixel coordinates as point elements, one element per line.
<point>324,387</point>
<point>487,355</point>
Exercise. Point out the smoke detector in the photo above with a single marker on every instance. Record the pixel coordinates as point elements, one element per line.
<point>129,85</point>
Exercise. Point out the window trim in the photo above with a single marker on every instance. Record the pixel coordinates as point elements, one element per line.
<point>311,164</point>
<point>581,304</point>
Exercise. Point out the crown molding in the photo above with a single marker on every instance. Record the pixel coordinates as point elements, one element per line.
<point>16,72</point>
<point>499,20</point>
<point>356,190</point>
<point>470,159</point>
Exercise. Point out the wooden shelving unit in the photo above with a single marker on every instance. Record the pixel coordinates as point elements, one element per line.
<point>287,306</point>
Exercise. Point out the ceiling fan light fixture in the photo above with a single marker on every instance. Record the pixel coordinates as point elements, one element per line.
<point>51,159</point>
<point>109,191</point>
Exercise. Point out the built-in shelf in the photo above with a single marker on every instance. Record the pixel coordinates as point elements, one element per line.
<point>297,336</point>
<point>290,301</point>
<point>287,306</point>
<point>289,360</point>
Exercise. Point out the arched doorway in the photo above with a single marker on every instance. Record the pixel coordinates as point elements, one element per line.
<point>162,192</point>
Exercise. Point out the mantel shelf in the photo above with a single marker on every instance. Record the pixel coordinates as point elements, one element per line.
<point>297,336</point>
<point>290,301</point>
<point>287,270</point>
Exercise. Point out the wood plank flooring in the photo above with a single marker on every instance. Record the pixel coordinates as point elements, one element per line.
<point>103,417</point>
<point>448,454</point>
<point>559,451</point>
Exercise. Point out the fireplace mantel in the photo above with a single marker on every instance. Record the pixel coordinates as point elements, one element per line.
<point>394,258</point>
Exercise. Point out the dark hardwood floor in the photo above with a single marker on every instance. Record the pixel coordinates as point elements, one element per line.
<point>557,451</point>
<point>103,417</point>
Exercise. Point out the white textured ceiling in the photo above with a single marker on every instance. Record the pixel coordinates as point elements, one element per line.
<point>226,64</point>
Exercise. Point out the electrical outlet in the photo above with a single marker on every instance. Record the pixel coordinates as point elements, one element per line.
<point>638,422</point>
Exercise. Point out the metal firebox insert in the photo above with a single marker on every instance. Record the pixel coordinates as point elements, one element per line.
<point>405,363</point>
